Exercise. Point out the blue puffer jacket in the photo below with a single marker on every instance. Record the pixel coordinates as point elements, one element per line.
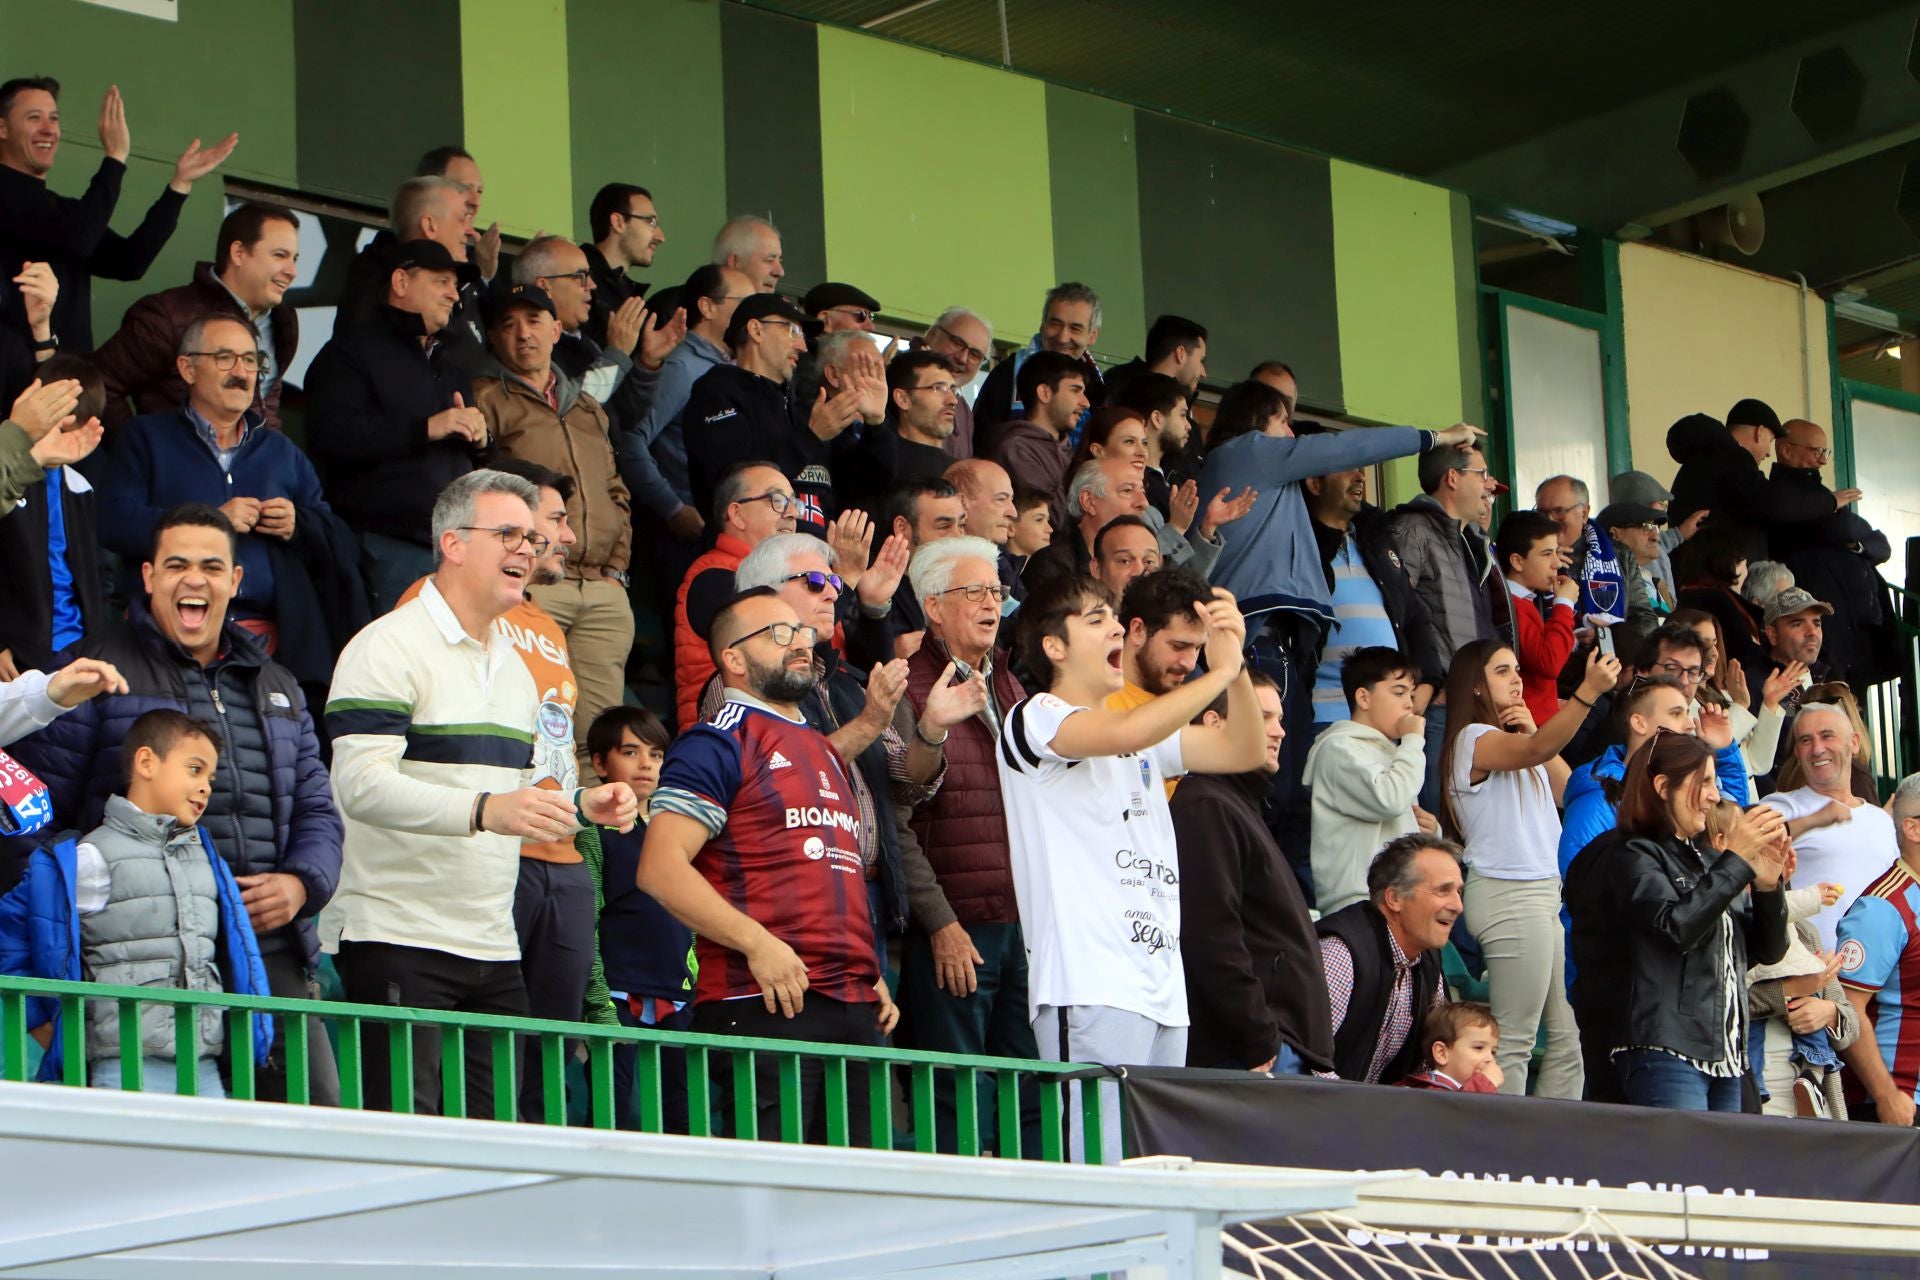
<point>40,938</point>
<point>78,755</point>
<point>1590,814</point>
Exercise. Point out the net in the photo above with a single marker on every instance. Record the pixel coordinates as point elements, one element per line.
<point>1330,1246</point>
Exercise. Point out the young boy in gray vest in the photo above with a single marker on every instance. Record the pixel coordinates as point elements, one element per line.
<point>143,900</point>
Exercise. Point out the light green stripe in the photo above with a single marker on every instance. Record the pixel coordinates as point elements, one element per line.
<point>473,730</point>
<point>367,704</point>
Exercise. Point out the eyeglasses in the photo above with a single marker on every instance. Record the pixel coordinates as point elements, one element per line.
<point>783,634</point>
<point>1819,455</point>
<point>1685,675</point>
<point>816,581</point>
<point>978,591</point>
<point>787,324</point>
<point>941,389</point>
<point>651,219</point>
<point>982,358</point>
<point>514,539</point>
<point>579,276</point>
<point>224,360</point>
<point>859,315</point>
<point>779,499</point>
<point>1474,471</point>
<point>1557,514</point>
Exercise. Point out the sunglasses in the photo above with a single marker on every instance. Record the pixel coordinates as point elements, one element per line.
<point>816,581</point>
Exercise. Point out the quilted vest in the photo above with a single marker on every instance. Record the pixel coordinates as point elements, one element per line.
<point>963,830</point>
<point>692,664</point>
<point>160,928</point>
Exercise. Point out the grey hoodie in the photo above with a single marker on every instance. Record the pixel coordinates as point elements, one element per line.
<point>1364,788</point>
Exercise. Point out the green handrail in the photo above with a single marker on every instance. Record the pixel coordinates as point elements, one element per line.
<point>1017,1085</point>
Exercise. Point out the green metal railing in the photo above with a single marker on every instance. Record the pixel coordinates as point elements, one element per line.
<point>1019,1086</point>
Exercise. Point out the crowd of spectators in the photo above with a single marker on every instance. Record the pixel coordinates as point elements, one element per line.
<point>1019,706</point>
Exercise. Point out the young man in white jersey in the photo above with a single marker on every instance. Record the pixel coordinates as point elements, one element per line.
<point>1094,866</point>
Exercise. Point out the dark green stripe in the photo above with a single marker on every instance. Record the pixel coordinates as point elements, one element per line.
<point>341,724</point>
<point>469,748</point>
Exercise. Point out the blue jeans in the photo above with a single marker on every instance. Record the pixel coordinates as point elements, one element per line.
<point>157,1075</point>
<point>1655,1078</point>
<point>390,566</point>
<point>1288,1062</point>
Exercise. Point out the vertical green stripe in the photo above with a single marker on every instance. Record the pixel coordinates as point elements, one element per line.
<point>773,161</point>
<point>514,77</point>
<point>375,85</point>
<point>647,107</point>
<point>910,221</point>
<point>1096,214</point>
<point>1238,235</point>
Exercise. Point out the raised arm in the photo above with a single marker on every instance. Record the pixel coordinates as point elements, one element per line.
<point>1511,752</point>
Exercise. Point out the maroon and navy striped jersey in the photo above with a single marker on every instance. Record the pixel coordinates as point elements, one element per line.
<point>785,847</point>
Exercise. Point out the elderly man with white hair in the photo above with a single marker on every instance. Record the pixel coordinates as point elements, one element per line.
<point>1838,838</point>
<point>1880,971</point>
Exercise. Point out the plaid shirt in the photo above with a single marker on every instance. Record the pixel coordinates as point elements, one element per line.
<point>1336,961</point>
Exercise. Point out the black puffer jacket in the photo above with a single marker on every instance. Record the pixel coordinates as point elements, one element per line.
<point>1412,621</point>
<point>1717,474</point>
<point>1645,917</point>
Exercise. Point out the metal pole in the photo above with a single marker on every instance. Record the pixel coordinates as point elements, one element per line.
<point>901,12</point>
<point>1006,47</point>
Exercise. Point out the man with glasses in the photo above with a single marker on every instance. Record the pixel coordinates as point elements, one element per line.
<point>389,419</point>
<point>752,502</point>
<point>1837,558</point>
<point>757,808</point>
<point>435,718</point>
<point>537,413</point>
<point>1452,569</point>
<point>1587,551</point>
<point>837,308</point>
<point>746,410</point>
<point>1880,971</point>
<point>255,259</point>
<point>217,449</point>
<point>623,372</point>
<point>966,340</point>
<point>626,234</point>
<point>963,978</point>
<point>1634,531</point>
<point>925,399</point>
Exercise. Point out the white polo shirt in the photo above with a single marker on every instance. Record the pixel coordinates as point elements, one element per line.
<point>1094,869</point>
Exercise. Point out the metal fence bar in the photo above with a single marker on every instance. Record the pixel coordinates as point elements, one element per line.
<point>922,1100</point>
<point>293,1047</point>
<point>647,1082</point>
<point>73,1040</point>
<point>553,1080</point>
<point>352,1095</point>
<point>13,1034</point>
<point>1007,1104</point>
<point>834,1086</point>
<point>793,1119</point>
<point>453,1072</point>
<point>130,1045</point>
<point>506,1094</point>
<point>746,1102</point>
<point>186,1051</point>
<point>600,1082</point>
<point>966,1111</point>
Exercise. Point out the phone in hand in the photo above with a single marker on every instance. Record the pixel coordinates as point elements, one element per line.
<point>1606,641</point>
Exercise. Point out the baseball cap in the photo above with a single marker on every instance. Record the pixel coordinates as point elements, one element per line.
<point>501,301</point>
<point>823,297</point>
<point>1753,413</point>
<point>1622,515</point>
<point>1794,600</point>
<point>420,255</point>
<point>762,306</point>
<point>1638,488</point>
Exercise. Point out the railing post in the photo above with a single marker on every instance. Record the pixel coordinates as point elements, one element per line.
<point>833,1084</point>
<point>966,1111</point>
<point>186,1050</point>
<point>352,1095</point>
<point>1053,1146</point>
<point>880,1105</point>
<point>793,1118</point>
<point>73,1041</point>
<point>1090,1121</point>
<point>699,1092</point>
<point>646,1079</point>
<point>553,1079</point>
<point>293,1048</point>
<point>453,1071</point>
<point>13,1033</point>
<point>600,1081</point>
<point>746,1105</point>
<point>129,1026</point>
<point>506,1092</point>
<point>1007,1105</point>
<point>923,1135</point>
<point>400,1066</point>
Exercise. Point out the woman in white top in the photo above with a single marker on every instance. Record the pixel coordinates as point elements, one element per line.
<point>1504,777</point>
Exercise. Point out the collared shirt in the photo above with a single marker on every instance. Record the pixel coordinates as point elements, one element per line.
<point>210,436</point>
<point>1336,961</point>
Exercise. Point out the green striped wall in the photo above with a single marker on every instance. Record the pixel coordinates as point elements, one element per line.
<point>928,181</point>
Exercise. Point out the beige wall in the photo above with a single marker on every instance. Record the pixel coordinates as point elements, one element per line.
<point>1701,335</point>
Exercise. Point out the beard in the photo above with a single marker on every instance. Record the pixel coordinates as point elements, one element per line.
<point>779,682</point>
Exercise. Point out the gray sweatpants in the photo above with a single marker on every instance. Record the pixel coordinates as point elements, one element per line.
<point>1110,1037</point>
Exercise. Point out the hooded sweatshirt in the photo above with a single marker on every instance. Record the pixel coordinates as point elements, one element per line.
<point>1364,787</point>
<point>1719,475</point>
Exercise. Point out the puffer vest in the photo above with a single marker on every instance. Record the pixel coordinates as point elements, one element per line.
<point>692,663</point>
<point>963,830</point>
<point>160,928</point>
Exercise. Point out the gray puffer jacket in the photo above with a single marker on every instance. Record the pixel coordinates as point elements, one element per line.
<point>160,927</point>
<point>1451,568</point>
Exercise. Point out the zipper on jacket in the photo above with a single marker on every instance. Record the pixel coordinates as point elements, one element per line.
<point>228,758</point>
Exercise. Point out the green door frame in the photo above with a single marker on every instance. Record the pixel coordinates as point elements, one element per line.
<point>1495,303</point>
<point>1848,392</point>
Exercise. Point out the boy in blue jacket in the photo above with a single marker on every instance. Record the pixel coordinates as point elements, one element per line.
<point>142,901</point>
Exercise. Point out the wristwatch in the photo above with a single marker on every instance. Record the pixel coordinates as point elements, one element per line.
<point>49,343</point>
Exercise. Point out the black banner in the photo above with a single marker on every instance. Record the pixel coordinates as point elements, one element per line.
<point>1323,1124</point>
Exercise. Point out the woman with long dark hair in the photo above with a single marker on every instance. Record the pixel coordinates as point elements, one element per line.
<point>1503,779</point>
<point>1664,929</point>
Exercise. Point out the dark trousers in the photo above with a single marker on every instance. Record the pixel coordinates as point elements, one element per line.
<point>992,1022</point>
<point>289,978</point>
<point>820,1020</point>
<point>673,1074</point>
<point>553,916</point>
<point>390,566</point>
<point>1283,644</point>
<point>420,978</point>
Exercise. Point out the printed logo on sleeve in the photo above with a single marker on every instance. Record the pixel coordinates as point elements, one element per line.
<point>1852,955</point>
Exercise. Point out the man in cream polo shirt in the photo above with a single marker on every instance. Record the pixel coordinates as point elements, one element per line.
<point>432,716</point>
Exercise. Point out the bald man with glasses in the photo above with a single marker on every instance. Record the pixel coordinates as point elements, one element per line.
<point>1837,558</point>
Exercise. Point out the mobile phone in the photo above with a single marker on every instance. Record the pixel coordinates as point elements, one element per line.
<point>1606,641</point>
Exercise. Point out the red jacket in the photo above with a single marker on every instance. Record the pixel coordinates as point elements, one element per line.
<point>1544,645</point>
<point>138,360</point>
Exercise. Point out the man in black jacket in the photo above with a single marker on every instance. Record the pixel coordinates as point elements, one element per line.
<point>1255,991</point>
<point>425,208</point>
<point>389,421</point>
<point>71,235</point>
<point>1837,559</point>
<point>744,410</point>
<point>1381,957</point>
<point>1720,474</point>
